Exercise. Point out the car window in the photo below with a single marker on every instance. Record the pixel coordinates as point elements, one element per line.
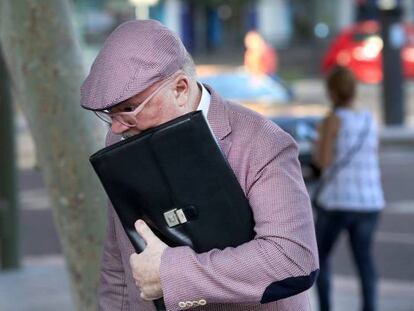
<point>301,129</point>
<point>241,86</point>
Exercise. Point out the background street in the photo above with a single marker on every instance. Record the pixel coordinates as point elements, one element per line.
<point>394,243</point>
<point>394,247</point>
<point>272,55</point>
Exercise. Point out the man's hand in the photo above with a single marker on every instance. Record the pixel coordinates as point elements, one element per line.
<point>146,265</point>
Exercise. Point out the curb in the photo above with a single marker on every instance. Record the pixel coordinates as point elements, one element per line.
<point>397,136</point>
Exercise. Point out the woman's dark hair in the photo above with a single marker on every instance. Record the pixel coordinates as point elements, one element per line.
<point>342,84</point>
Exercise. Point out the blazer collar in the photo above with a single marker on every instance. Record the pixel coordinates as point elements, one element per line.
<point>218,120</point>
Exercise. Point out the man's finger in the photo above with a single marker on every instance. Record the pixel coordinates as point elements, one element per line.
<point>145,232</point>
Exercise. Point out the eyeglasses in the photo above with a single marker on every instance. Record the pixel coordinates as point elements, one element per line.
<point>128,118</point>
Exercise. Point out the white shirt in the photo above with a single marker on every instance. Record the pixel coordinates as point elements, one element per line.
<point>204,104</point>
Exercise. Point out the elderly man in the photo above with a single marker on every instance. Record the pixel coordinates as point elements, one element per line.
<point>144,77</point>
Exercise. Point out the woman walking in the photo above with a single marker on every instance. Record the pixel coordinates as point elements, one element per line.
<point>350,196</point>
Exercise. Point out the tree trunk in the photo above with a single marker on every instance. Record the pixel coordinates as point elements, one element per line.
<point>9,209</point>
<point>46,70</point>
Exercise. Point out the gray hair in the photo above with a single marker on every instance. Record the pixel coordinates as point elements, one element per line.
<point>189,67</point>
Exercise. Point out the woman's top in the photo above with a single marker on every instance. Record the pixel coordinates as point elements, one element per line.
<point>357,185</point>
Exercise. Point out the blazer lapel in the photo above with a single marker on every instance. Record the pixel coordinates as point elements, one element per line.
<point>218,119</point>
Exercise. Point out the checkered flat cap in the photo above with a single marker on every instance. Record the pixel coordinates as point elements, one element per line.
<point>136,55</point>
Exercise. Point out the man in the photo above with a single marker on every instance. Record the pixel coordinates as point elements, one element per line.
<point>143,77</point>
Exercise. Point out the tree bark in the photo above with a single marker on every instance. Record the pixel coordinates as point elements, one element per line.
<point>45,63</point>
<point>9,207</point>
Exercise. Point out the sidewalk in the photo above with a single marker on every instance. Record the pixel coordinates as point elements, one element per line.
<point>42,285</point>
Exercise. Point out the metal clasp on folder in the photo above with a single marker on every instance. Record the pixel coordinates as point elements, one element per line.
<point>175,217</point>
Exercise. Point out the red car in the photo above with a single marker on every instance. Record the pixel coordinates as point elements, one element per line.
<point>359,47</point>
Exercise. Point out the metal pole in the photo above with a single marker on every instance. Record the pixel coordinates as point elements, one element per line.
<point>9,213</point>
<point>393,36</point>
<point>142,12</point>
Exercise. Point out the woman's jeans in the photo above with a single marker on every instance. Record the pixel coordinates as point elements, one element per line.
<point>360,227</point>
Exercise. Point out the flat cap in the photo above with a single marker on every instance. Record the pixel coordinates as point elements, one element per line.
<point>136,55</point>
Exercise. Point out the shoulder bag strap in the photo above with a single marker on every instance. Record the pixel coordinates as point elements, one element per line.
<point>338,166</point>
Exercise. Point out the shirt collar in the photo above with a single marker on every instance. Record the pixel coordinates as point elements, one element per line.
<point>204,104</point>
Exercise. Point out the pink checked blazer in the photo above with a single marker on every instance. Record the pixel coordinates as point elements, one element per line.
<point>271,272</point>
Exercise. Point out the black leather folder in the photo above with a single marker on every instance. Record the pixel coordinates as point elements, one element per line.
<point>177,180</point>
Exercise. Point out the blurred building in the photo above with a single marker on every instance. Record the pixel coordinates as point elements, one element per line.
<point>220,25</point>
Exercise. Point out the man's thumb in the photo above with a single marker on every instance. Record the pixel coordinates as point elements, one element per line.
<point>145,232</point>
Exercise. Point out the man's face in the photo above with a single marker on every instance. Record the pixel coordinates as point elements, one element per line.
<point>169,102</point>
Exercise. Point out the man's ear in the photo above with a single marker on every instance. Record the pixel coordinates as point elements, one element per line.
<point>182,90</point>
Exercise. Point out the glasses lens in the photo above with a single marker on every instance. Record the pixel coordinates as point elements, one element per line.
<point>104,117</point>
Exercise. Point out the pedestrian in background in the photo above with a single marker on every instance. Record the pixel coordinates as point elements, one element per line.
<point>260,58</point>
<point>350,195</point>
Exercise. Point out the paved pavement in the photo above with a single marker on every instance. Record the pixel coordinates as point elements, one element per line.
<point>42,283</point>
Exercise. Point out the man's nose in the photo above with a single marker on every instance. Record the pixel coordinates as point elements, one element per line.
<point>118,128</point>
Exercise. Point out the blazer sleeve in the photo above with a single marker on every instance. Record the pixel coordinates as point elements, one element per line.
<point>112,291</point>
<point>281,261</point>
